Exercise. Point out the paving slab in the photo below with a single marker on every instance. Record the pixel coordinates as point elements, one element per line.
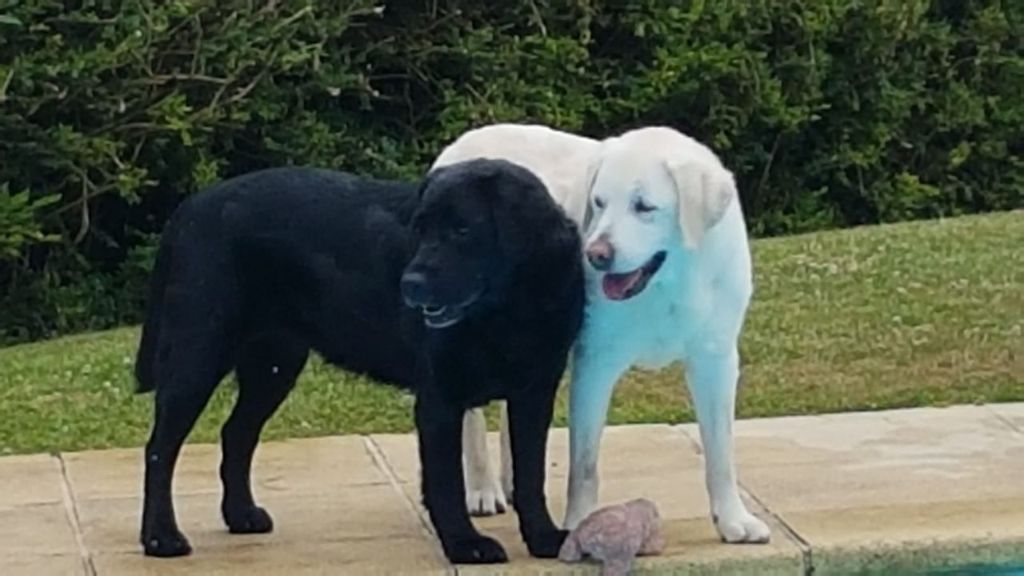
<point>891,490</point>
<point>652,461</point>
<point>312,465</point>
<point>43,565</point>
<point>32,479</point>
<point>335,511</point>
<point>1012,413</point>
<point>909,539</point>
<point>36,531</point>
<point>271,558</point>
<point>356,513</point>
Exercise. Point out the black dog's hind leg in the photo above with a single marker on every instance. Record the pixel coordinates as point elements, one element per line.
<point>191,371</point>
<point>266,371</point>
<point>439,425</point>
<point>529,418</point>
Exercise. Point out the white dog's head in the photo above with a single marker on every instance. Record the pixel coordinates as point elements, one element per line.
<point>653,191</point>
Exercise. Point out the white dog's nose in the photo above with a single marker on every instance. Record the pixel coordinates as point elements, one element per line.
<point>600,253</point>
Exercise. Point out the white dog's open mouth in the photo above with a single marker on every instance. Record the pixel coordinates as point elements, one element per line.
<point>628,284</point>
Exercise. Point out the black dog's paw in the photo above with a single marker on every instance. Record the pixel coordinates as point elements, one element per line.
<point>476,550</point>
<point>249,520</point>
<point>546,544</point>
<point>165,543</point>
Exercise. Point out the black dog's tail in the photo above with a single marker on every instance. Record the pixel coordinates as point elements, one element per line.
<point>145,360</point>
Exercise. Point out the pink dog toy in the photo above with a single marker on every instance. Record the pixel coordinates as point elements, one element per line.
<point>615,535</point>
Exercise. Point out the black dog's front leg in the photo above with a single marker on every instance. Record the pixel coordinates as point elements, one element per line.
<point>439,426</point>
<point>529,419</point>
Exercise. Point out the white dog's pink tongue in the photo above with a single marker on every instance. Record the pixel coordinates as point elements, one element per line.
<point>616,286</point>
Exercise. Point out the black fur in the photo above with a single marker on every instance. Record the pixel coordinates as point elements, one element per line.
<point>257,271</point>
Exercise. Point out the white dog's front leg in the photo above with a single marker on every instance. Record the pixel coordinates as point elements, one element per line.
<point>712,379</point>
<point>590,393</point>
<point>506,454</point>
<point>483,492</point>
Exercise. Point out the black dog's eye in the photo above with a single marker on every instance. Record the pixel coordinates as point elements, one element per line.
<point>599,203</point>
<point>458,231</point>
<point>643,207</point>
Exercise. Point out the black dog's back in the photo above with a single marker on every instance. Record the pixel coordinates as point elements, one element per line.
<point>260,241</point>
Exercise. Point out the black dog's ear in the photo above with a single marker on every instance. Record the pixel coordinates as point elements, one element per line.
<point>525,214</point>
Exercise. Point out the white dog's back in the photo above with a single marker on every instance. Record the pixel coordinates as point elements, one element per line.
<point>559,159</point>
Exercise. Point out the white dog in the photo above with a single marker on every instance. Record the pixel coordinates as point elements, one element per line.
<point>669,278</point>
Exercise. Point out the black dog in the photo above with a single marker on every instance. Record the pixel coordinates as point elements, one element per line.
<point>466,289</point>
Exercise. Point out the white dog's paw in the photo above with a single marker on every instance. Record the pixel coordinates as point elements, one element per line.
<point>743,528</point>
<point>486,501</point>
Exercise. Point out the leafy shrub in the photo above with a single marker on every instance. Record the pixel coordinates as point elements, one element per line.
<point>832,113</point>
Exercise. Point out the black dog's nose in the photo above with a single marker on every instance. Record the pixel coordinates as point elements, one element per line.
<point>414,288</point>
<point>600,254</point>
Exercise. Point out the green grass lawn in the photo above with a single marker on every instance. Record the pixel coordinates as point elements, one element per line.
<point>926,313</point>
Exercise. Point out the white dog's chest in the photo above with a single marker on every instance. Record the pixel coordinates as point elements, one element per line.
<point>660,336</point>
<point>654,329</point>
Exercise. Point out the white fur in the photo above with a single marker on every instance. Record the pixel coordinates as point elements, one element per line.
<point>555,157</point>
<point>484,496</point>
<point>692,310</point>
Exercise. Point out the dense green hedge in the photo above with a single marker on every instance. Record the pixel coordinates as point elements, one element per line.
<point>832,112</point>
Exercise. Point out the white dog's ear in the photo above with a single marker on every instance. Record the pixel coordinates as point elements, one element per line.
<point>704,193</point>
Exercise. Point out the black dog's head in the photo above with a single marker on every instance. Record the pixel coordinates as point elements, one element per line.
<point>476,221</point>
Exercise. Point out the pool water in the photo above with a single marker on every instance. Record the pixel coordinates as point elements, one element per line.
<point>982,570</point>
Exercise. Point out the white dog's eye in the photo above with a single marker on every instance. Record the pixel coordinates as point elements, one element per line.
<point>643,207</point>
<point>598,203</point>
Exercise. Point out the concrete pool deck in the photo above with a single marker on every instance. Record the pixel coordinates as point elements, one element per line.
<point>894,492</point>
